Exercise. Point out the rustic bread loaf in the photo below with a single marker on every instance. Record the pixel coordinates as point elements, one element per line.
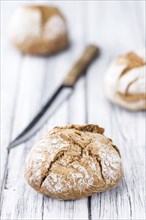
<point>39,30</point>
<point>72,162</point>
<point>125,81</point>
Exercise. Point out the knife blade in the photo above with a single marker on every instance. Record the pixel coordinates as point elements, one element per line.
<point>58,97</point>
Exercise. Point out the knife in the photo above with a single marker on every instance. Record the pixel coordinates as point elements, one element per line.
<point>60,94</point>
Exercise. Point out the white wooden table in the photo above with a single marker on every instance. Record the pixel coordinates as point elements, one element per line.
<point>26,83</point>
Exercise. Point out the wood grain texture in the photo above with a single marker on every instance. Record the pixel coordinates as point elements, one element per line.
<point>27,82</point>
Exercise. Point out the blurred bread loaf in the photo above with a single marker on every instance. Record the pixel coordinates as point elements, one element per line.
<point>39,30</point>
<point>125,82</point>
<point>72,162</point>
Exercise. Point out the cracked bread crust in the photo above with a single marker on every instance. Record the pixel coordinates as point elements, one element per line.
<point>125,81</point>
<point>73,162</point>
<point>39,30</point>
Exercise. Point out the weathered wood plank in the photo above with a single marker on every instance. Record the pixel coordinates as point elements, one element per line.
<point>10,66</point>
<point>127,200</point>
<point>54,209</point>
<point>117,27</point>
<point>75,113</point>
<point>28,98</point>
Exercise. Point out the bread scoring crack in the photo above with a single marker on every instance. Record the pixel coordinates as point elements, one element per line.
<point>59,155</point>
<point>114,146</point>
<point>132,60</point>
<point>75,140</point>
<point>100,165</point>
<point>71,164</point>
<point>98,159</point>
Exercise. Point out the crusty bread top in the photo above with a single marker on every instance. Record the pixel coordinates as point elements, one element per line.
<point>46,11</point>
<point>74,161</point>
<point>132,60</point>
<point>125,81</point>
<point>34,23</point>
<point>89,128</point>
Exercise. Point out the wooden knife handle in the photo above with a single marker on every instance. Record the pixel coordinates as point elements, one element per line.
<point>81,65</point>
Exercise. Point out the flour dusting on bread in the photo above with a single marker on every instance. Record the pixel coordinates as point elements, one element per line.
<point>76,161</point>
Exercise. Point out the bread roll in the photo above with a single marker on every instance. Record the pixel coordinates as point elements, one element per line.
<point>39,30</point>
<point>73,162</point>
<point>125,81</point>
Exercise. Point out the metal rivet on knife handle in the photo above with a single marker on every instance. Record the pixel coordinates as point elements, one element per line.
<point>87,57</point>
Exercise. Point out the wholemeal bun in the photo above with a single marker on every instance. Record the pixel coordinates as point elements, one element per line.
<point>125,82</point>
<point>39,30</point>
<point>73,162</point>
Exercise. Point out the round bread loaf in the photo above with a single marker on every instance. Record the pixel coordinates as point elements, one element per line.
<point>72,162</point>
<point>39,30</point>
<point>125,81</point>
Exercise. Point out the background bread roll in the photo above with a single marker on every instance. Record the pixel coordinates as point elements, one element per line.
<point>125,81</point>
<point>72,162</point>
<point>39,30</point>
